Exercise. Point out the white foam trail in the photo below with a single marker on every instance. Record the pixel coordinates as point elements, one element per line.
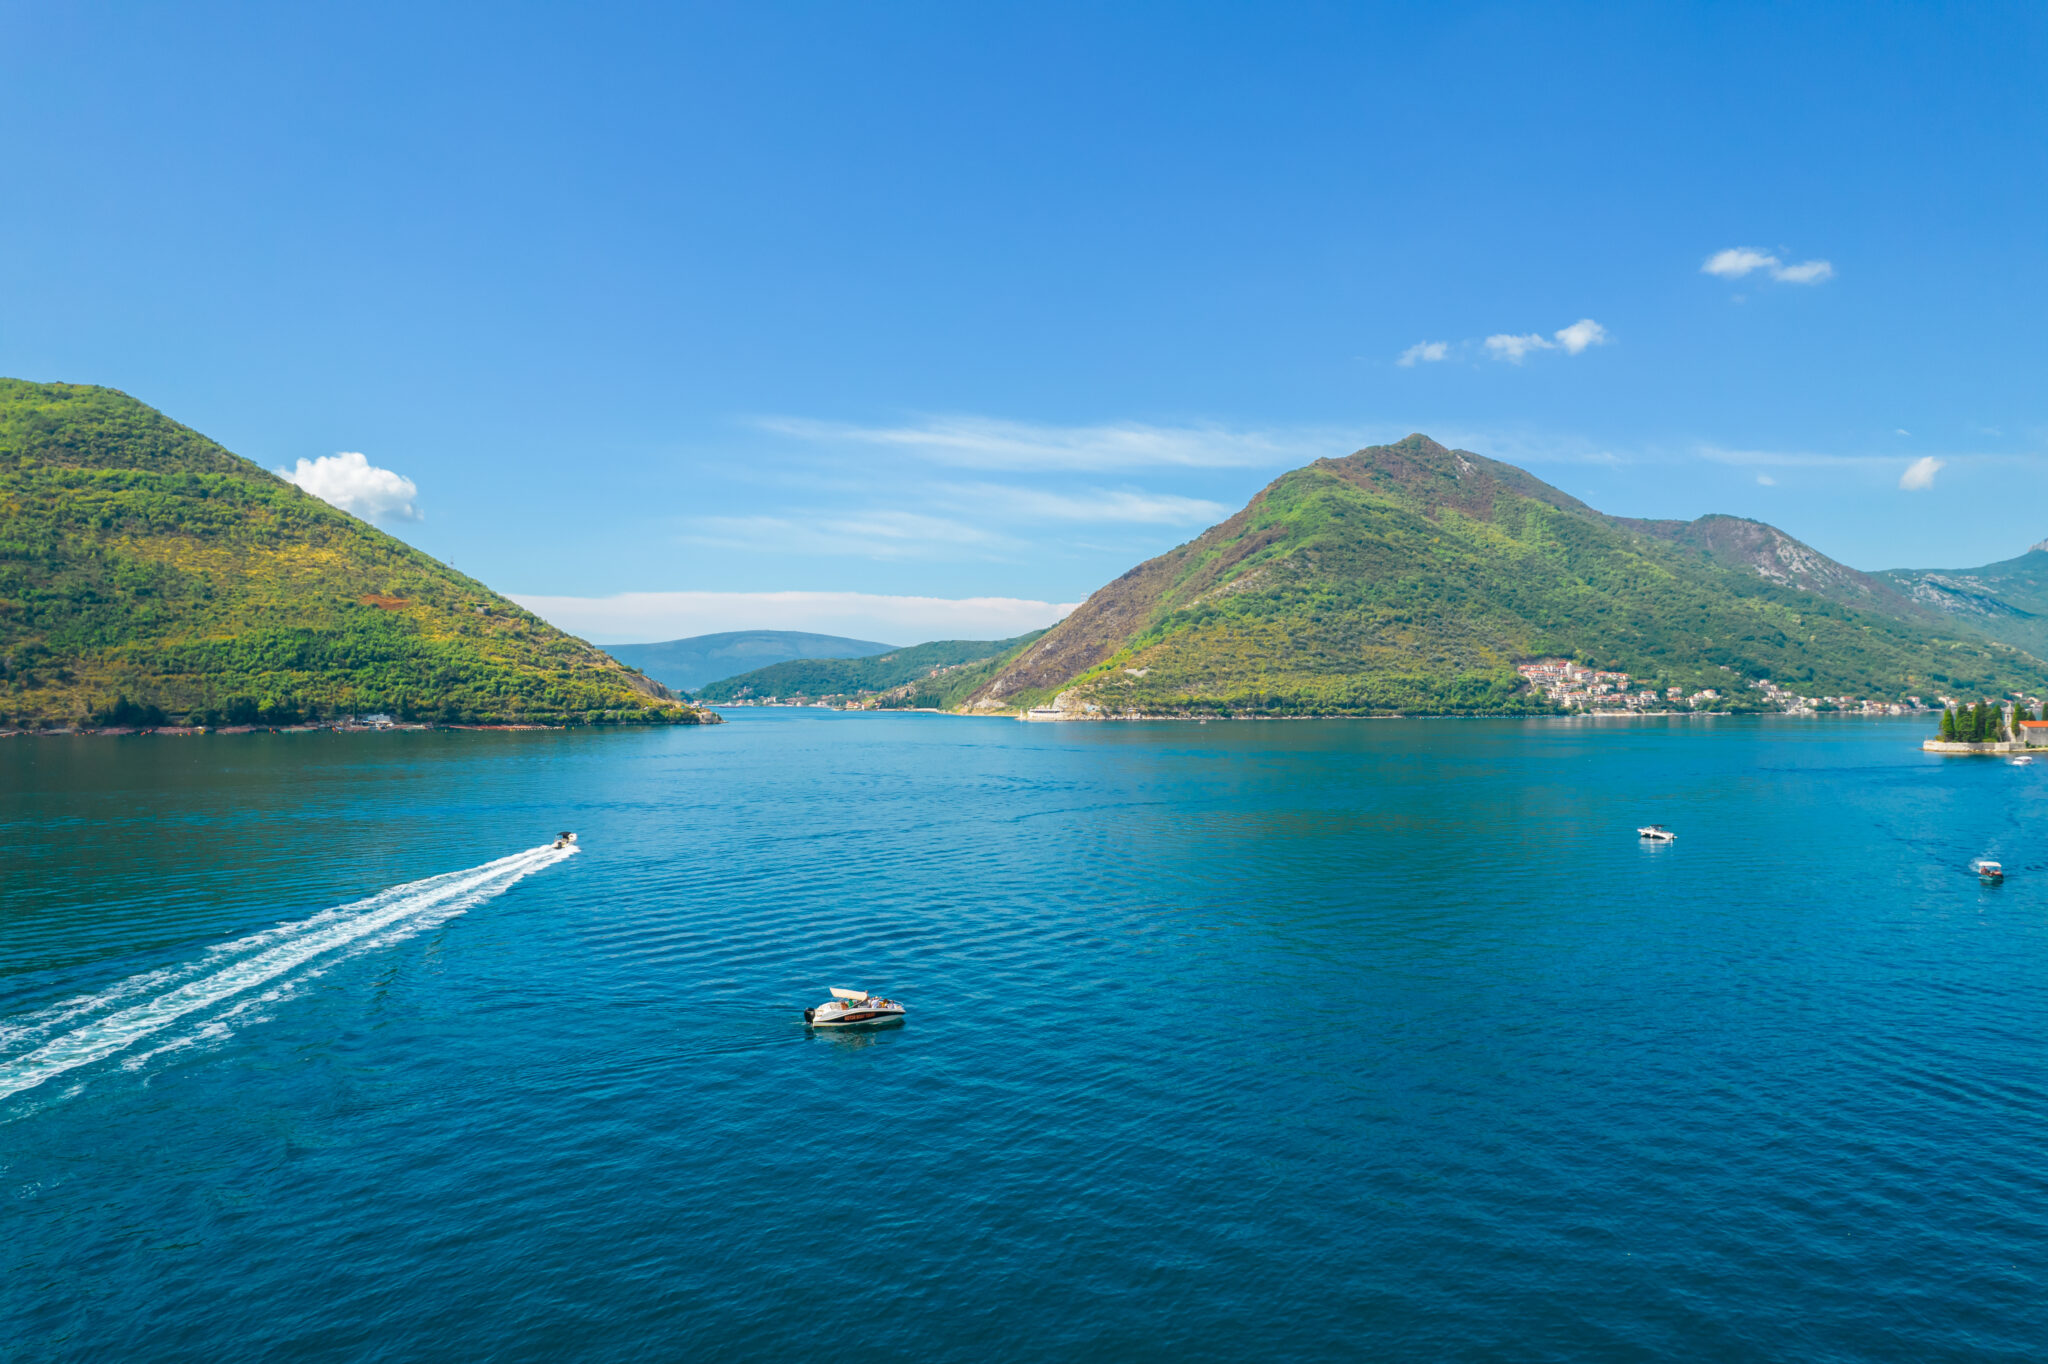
<point>405,909</point>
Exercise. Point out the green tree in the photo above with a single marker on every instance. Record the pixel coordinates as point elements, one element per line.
<point>1948,725</point>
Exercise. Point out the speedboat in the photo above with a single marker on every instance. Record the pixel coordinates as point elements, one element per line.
<point>849,1007</point>
<point>2023,760</point>
<point>1656,833</point>
<point>564,839</point>
<point>1989,872</point>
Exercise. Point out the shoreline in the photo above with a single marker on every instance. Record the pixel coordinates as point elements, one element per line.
<point>1023,717</point>
<point>193,731</point>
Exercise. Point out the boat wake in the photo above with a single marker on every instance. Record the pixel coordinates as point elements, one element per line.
<point>234,968</point>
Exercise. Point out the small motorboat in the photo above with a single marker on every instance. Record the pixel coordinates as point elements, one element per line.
<point>849,1007</point>
<point>564,839</point>
<point>1656,833</point>
<point>1989,872</point>
<point>2023,760</point>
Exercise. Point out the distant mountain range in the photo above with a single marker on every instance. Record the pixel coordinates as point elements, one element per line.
<point>147,574</point>
<point>936,676</point>
<point>1411,578</point>
<point>687,664</point>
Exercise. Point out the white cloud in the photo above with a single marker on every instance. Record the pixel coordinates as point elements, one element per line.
<point>1511,348</point>
<point>635,617</point>
<point>1806,272</point>
<point>1581,334</point>
<point>1571,340</point>
<point>1738,261</point>
<point>990,443</point>
<point>1424,352</point>
<point>1920,473</point>
<point>350,482</point>
<point>1767,481</point>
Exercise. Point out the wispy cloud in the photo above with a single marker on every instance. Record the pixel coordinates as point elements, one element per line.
<point>1572,340</point>
<point>1766,481</point>
<point>632,617</point>
<point>1511,348</point>
<point>1920,473</point>
<point>349,481</point>
<point>1108,505</point>
<point>1424,353</point>
<point>1739,261</point>
<point>991,443</point>
<point>864,534</point>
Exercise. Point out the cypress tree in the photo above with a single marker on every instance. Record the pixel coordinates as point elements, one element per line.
<point>1986,726</point>
<point>1948,725</point>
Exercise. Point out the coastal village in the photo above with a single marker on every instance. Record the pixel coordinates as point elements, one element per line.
<point>1576,686</point>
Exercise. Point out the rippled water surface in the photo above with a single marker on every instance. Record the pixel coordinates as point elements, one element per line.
<point>1276,1041</point>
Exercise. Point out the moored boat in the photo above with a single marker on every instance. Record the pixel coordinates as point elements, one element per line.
<point>847,1008</point>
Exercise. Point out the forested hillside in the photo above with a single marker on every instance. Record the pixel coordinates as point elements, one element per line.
<point>148,574</point>
<point>935,675</point>
<point>1411,578</point>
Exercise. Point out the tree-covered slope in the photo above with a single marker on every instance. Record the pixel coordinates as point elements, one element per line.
<point>812,679</point>
<point>1411,579</point>
<point>687,664</point>
<point>147,573</point>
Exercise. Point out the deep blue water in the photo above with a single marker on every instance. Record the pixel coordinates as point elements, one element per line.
<point>1245,1041</point>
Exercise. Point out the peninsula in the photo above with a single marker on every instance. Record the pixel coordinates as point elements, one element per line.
<point>1419,580</point>
<point>149,577</point>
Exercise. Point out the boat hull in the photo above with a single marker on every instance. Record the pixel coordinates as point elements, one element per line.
<point>855,1018</point>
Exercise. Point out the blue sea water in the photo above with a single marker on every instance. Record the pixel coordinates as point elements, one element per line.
<point>1294,1041</point>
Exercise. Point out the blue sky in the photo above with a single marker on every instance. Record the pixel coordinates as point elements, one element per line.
<point>873,309</point>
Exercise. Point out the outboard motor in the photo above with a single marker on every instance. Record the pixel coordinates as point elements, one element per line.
<point>808,1013</point>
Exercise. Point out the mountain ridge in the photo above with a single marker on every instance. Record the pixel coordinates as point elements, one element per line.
<point>1412,578</point>
<point>932,675</point>
<point>699,660</point>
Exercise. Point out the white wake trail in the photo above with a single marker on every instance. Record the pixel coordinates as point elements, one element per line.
<point>403,910</point>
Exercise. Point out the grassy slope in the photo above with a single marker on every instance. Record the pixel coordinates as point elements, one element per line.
<point>1411,579</point>
<point>145,569</point>
<point>908,670</point>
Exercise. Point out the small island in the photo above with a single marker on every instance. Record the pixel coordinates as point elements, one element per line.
<point>1989,727</point>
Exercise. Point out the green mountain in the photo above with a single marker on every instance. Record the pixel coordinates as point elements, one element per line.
<point>1410,578</point>
<point>687,664</point>
<point>935,676</point>
<point>2007,600</point>
<point>147,573</point>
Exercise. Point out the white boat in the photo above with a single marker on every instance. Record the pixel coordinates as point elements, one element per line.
<point>2023,760</point>
<point>1988,871</point>
<point>564,839</point>
<point>849,1007</point>
<point>1656,833</point>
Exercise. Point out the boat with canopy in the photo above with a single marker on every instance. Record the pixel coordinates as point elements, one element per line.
<point>847,1008</point>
